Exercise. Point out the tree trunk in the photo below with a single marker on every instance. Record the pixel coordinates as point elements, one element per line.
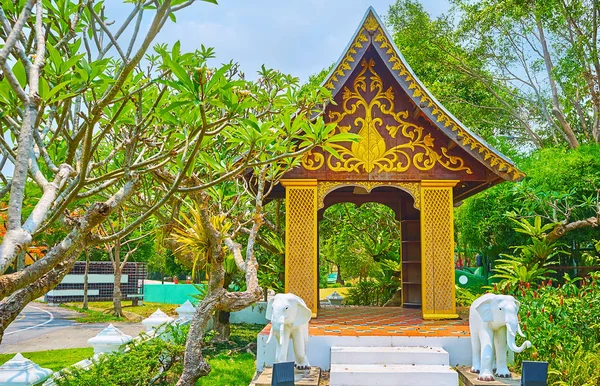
<point>221,326</point>
<point>561,229</point>
<point>194,364</point>
<point>556,108</point>
<point>12,306</point>
<point>117,292</point>
<point>85,279</point>
<point>339,279</point>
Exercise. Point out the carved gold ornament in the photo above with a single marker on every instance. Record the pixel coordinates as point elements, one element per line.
<point>371,152</point>
<point>419,92</point>
<point>326,187</point>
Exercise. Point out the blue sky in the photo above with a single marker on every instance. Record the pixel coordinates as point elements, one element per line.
<point>299,37</point>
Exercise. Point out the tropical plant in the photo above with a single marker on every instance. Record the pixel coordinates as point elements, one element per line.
<point>512,272</point>
<point>464,296</point>
<point>191,238</point>
<point>531,265</point>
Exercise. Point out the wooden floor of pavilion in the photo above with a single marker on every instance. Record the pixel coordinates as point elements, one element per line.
<point>381,321</point>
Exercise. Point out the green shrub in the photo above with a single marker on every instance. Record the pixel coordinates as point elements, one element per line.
<point>465,297</point>
<point>365,293</point>
<point>560,321</point>
<point>576,368</point>
<point>153,362</point>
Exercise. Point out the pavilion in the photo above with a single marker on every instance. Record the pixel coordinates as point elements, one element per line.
<point>413,156</point>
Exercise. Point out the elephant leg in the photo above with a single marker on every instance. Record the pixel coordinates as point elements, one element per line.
<point>486,341</point>
<point>285,343</point>
<point>501,351</point>
<point>299,339</point>
<point>475,351</point>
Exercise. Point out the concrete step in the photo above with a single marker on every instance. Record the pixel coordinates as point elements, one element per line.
<point>389,355</point>
<point>392,375</point>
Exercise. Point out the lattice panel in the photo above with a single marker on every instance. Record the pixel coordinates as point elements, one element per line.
<point>438,251</point>
<point>301,220</point>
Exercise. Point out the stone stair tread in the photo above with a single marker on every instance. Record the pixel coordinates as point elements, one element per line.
<point>408,355</point>
<point>379,368</point>
<point>392,375</point>
<point>392,349</point>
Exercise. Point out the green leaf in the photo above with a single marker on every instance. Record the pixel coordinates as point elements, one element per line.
<point>19,72</point>
<point>56,89</point>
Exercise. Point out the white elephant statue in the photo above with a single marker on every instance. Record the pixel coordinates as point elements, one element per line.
<point>494,321</point>
<point>289,317</point>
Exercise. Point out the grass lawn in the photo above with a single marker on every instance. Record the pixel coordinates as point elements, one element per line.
<point>229,370</point>
<point>231,364</point>
<point>99,312</point>
<point>54,359</point>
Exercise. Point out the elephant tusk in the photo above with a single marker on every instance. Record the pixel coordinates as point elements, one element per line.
<point>520,332</point>
<point>511,341</point>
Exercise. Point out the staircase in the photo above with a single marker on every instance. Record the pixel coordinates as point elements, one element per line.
<point>397,366</point>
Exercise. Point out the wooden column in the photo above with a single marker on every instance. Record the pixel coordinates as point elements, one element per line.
<point>301,276</point>
<point>437,249</point>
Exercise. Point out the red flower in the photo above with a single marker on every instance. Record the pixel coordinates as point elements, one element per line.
<point>550,283</point>
<point>524,326</point>
<point>551,318</point>
<point>495,287</point>
<point>539,286</point>
<point>534,294</point>
<point>562,300</point>
<point>528,313</point>
<point>527,285</point>
<point>523,293</point>
<point>542,308</point>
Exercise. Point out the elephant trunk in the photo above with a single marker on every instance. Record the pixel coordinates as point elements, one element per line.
<point>510,340</point>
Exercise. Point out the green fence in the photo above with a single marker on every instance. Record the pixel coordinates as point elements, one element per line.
<point>169,293</point>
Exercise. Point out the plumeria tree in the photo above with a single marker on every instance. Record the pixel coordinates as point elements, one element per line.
<point>104,126</point>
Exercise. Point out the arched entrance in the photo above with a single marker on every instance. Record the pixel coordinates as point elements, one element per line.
<point>407,141</point>
<point>359,254</point>
<point>428,248</point>
<point>401,198</point>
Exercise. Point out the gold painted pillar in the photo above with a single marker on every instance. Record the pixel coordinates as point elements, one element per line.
<point>301,276</point>
<point>437,249</point>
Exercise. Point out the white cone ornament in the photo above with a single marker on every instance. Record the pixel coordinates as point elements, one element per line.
<point>186,310</point>
<point>156,320</point>
<point>110,339</point>
<point>20,371</point>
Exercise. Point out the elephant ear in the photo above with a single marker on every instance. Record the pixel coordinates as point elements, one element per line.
<point>304,313</point>
<point>269,313</point>
<point>485,310</point>
<point>517,303</point>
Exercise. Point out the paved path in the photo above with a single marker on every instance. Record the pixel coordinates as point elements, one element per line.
<point>41,327</point>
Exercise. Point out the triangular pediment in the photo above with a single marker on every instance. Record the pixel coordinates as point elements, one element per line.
<point>405,129</point>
